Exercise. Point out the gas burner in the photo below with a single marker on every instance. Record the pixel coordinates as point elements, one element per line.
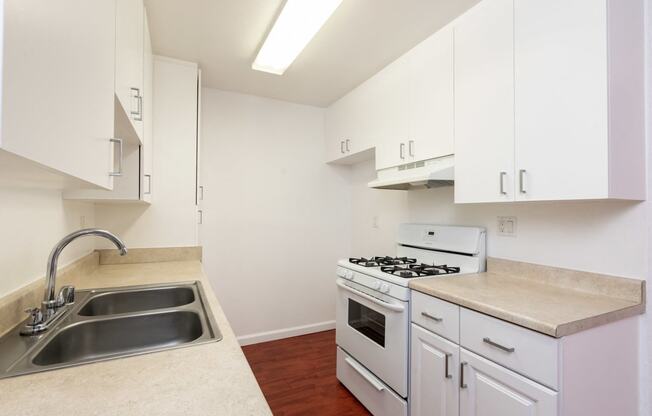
<point>361,261</point>
<point>395,261</point>
<point>419,270</point>
<point>381,261</point>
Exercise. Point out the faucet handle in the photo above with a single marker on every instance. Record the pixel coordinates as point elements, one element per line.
<point>66,296</point>
<point>36,316</point>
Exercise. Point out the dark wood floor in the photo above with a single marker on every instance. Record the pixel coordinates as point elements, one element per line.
<point>297,376</point>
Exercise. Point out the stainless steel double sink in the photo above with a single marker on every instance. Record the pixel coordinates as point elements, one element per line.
<point>111,323</point>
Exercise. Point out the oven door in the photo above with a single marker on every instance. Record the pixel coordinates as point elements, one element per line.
<point>373,329</point>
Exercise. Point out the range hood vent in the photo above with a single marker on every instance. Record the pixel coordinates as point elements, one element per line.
<point>433,173</point>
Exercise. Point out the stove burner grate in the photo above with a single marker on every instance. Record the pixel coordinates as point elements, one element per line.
<point>381,261</point>
<point>419,270</point>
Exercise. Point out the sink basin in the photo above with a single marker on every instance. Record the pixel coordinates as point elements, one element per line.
<point>103,338</point>
<point>112,323</point>
<point>126,301</point>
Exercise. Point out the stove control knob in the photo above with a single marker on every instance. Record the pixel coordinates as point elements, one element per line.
<point>376,285</point>
<point>384,288</point>
<point>349,274</point>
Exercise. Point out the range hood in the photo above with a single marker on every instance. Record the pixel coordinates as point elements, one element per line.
<point>433,173</point>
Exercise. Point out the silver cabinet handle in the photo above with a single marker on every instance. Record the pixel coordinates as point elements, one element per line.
<point>447,365</point>
<point>342,146</point>
<point>521,185</point>
<point>502,183</point>
<point>434,318</point>
<point>119,171</point>
<point>401,150</point>
<point>348,149</point>
<point>201,216</point>
<point>487,340</point>
<point>138,114</point>
<point>149,184</point>
<point>411,148</point>
<point>463,384</point>
<point>201,192</point>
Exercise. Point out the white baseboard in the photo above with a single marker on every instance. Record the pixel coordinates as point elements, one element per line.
<point>285,333</point>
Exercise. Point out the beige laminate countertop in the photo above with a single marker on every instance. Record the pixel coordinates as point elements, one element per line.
<point>553,301</point>
<point>210,379</point>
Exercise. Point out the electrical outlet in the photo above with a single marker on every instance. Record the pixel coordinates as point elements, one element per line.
<point>507,226</point>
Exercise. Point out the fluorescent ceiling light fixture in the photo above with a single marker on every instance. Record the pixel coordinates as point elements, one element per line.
<point>297,24</point>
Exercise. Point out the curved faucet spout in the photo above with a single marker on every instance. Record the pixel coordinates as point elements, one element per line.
<point>49,299</point>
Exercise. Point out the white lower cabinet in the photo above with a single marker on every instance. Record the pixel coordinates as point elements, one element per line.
<point>449,380</point>
<point>488,389</point>
<point>434,375</point>
<point>501,369</point>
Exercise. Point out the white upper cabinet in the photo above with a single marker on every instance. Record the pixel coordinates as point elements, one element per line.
<point>484,103</point>
<point>342,128</point>
<point>132,181</point>
<point>348,125</point>
<point>147,148</point>
<point>392,131</point>
<point>416,123</point>
<point>549,101</point>
<point>129,44</point>
<point>579,99</point>
<point>431,101</point>
<point>57,86</point>
<point>405,111</point>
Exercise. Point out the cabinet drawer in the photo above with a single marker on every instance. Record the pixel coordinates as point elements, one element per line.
<point>527,352</point>
<point>436,315</point>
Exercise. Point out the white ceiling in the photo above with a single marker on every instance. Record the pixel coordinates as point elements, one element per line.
<point>361,37</point>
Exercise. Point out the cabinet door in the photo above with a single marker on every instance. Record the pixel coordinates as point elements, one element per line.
<point>484,103</point>
<point>431,97</point>
<point>392,130</point>
<point>433,374</point>
<point>336,121</point>
<point>487,389</point>
<point>561,99</point>
<point>129,44</point>
<point>147,147</point>
<point>58,71</point>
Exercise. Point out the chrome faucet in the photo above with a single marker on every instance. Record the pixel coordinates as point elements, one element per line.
<point>53,306</point>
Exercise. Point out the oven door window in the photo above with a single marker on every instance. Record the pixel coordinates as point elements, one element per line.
<point>367,321</point>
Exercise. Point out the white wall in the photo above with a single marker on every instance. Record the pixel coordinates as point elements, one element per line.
<point>276,218</point>
<point>604,237</point>
<point>171,220</point>
<point>32,222</point>
<point>376,214</point>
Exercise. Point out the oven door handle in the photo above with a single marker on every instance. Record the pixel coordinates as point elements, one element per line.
<point>386,305</point>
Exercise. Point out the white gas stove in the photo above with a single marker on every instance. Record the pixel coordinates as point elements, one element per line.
<point>373,298</point>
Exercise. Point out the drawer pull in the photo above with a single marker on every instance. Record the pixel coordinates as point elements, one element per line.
<point>447,373</point>
<point>434,318</point>
<point>500,347</point>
